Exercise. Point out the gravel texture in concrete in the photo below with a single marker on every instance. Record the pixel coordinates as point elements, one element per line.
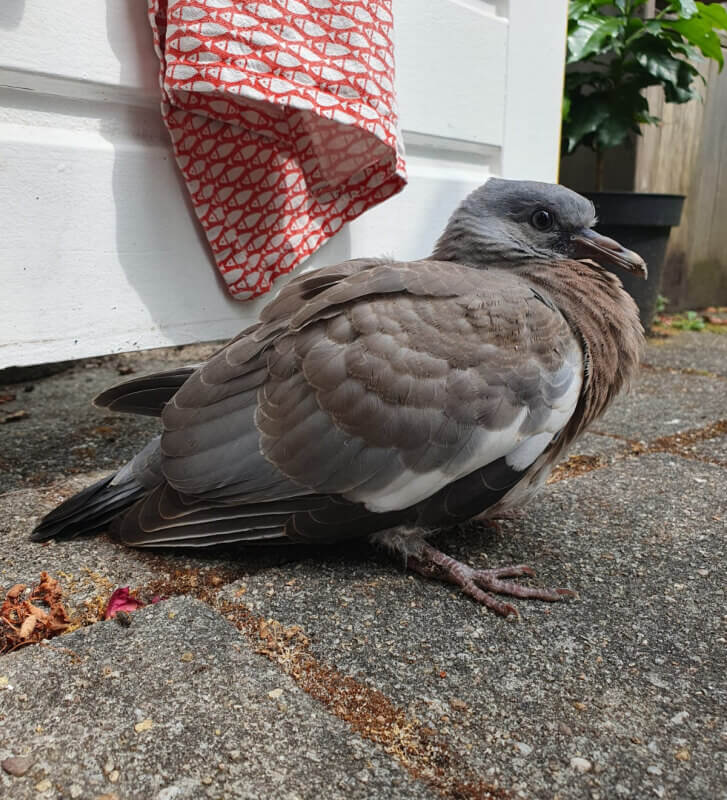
<point>663,403</point>
<point>333,672</point>
<point>176,705</point>
<point>693,352</point>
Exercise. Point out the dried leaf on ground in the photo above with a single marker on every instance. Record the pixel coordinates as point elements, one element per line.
<point>29,618</point>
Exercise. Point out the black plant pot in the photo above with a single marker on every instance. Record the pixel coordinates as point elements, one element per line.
<point>642,223</point>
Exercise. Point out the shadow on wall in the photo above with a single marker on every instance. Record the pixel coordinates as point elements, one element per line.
<point>11,13</point>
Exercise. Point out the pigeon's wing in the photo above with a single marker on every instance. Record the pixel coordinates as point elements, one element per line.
<point>362,394</point>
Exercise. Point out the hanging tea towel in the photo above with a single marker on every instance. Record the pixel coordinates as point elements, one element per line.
<point>283,122</point>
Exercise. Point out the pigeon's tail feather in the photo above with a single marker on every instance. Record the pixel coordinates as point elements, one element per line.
<point>89,511</point>
<point>146,395</point>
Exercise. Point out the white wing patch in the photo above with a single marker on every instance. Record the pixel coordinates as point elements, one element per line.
<point>524,454</point>
<point>411,487</point>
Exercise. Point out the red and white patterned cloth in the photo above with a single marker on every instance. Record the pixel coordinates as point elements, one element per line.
<point>283,121</point>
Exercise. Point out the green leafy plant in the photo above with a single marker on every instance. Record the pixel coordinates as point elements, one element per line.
<point>617,53</point>
<point>661,303</point>
<point>689,321</point>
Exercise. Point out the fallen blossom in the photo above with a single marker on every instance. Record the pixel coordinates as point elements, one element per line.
<point>122,600</point>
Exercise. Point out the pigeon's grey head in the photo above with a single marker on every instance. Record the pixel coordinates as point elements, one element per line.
<point>513,221</point>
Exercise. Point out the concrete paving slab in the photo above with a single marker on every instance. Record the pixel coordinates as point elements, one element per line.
<point>664,403</point>
<point>90,568</point>
<point>714,450</point>
<point>620,693</point>
<point>631,678</point>
<point>702,351</point>
<point>62,433</point>
<point>176,705</point>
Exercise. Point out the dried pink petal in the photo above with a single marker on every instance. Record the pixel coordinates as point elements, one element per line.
<point>121,600</point>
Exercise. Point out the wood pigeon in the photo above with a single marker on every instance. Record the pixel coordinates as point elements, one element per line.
<point>388,399</point>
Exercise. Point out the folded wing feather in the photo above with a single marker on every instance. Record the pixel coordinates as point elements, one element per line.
<point>367,393</point>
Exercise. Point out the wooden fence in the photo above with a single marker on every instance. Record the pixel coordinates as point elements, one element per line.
<point>687,154</point>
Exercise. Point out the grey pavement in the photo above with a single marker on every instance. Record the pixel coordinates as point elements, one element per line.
<point>330,673</point>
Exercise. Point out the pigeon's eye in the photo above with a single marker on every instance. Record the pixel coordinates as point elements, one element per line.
<point>542,220</point>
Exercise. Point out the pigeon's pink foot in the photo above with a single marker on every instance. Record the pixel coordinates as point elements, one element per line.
<point>478,583</point>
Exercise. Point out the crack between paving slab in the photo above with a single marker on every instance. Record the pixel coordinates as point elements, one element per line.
<point>422,751</point>
<point>701,373</point>
<point>676,443</point>
<point>577,465</point>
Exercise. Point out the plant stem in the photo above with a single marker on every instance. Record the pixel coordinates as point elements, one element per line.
<point>599,170</point>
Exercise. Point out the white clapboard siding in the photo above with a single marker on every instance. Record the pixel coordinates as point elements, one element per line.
<point>100,251</point>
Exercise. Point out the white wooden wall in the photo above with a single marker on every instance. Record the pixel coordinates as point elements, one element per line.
<point>95,220</point>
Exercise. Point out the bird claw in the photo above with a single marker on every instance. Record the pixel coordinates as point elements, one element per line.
<point>482,584</point>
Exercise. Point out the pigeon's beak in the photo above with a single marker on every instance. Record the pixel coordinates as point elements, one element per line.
<point>589,244</point>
